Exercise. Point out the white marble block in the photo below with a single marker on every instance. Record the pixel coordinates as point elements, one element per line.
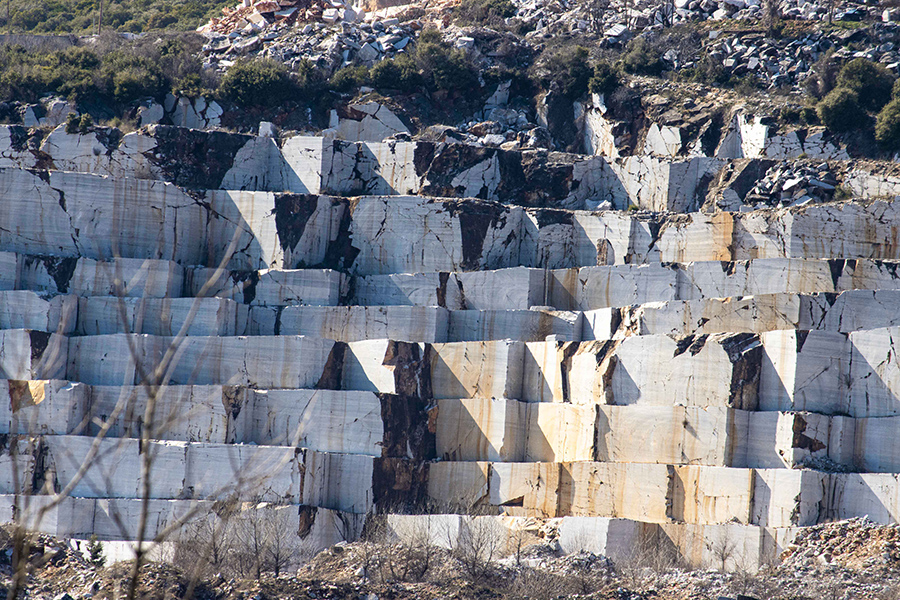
<point>481,429</point>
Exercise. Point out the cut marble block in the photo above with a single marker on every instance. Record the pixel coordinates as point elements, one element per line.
<point>617,539</point>
<point>547,239</point>
<point>670,435</point>
<point>477,369</point>
<point>456,485</point>
<point>601,489</point>
<point>749,278</point>
<point>831,230</point>
<point>559,432</point>
<point>416,289</point>
<point>874,374</point>
<point>877,448</point>
<point>115,467</point>
<point>752,314</point>
<point>528,489</point>
<point>124,277</point>
<point>849,311</point>
<point>417,235</point>
<point>714,370</point>
<point>202,413</point>
<point>517,288</point>
<point>591,288</point>
<point>875,495</point>
<point>18,472</point>
<point>318,287</point>
<point>163,316</point>
<point>393,163</point>
<point>56,213</point>
<point>354,323</point>
<point>380,366</point>
<point>28,310</point>
<point>9,271</point>
<point>28,354</point>
<point>788,497</point>
<point>43,407</point>
<point>118,518</point>
<point>726,546</point>
<point>777,440</point>
<point>601,324</point>
<point>703,494</point>
<point>442,531</point>
<point>322,528</point>
<point>267,473</point>
<point>245,222</point>
<point>521,325</point>
<point>322,420</point>
<point>337,481</point>
<point>273,362</point>
<point>276,230</point>
<point>804,370</point>
<point>693,237</point>
<point>481,429</point>
<point>303,166</point>
<point>707,370</point>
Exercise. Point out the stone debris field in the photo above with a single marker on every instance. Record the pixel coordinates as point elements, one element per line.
<point>349,327</point>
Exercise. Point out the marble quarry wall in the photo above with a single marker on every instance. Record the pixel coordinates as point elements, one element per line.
<point>347,330</point>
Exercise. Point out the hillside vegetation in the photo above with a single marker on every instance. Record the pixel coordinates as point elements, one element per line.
<point>80,16</point>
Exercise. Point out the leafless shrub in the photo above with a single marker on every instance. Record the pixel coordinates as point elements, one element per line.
<point>477,545</point>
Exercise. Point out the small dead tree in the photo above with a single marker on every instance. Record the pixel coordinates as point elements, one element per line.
<point>477,546</point>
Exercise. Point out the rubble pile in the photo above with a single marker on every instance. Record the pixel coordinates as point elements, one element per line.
<point>780,63</point>
<point>329,33</point>
<point>790,184</point>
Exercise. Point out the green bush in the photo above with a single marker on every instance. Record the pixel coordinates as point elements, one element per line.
<point>80,16</point>
<point>887,126</point>
<point>871,82</point>
<point>485,13</point>
<point>642,58</point>
<point>895,90</point>
<point>443,67</point>
<point>570,69</point>
<point>349,78</point>
<point>128,77</point>
<point>399,73</point>
<point>840,111</point>
<point>605,79</point>
<point>257,82</point>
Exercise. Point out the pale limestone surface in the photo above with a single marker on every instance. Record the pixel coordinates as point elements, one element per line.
<point>28,355</point>
<point>355,323</point>
<point>347,422</point>
<point>43,407</point>
<point>198,360</point>
<point>481,429</point>
<point>162,316</point>
<point>669,435</point>
<point>369,122</point>
<point>114,467</point>
<point>457,485</point>
<point>613,490</point>
<point>140,218</point>
<point>125,277</point>
<point>272,287</point>
<point>529,489</point>
<point>202,413</point>
<point>477,369</point>
<point>337,481</point>
<point>216,471</point>
<point>27,310</point>
<point>560,432</point>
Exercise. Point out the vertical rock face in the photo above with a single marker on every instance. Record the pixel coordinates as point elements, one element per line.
<point>453,328</point>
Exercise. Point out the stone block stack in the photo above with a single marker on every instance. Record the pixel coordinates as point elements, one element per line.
<point>370,338</point>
